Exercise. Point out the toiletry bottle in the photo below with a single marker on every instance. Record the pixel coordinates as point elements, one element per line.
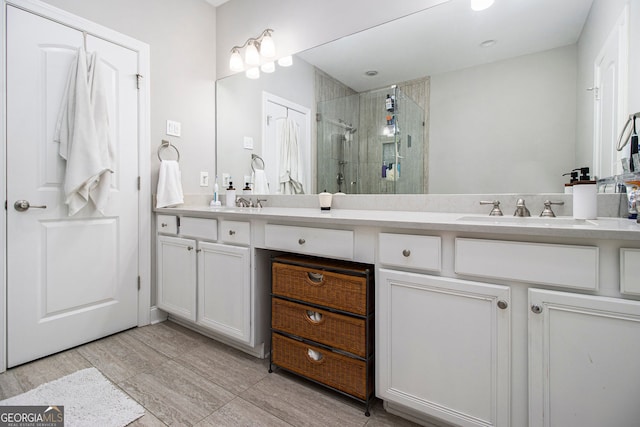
<point>246,189</point>
<point>230,198</point>
<point>389,103</point>
<point>325,200</point>
<point>585,196</point>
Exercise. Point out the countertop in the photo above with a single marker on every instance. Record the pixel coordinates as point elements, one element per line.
<point>600,228</point>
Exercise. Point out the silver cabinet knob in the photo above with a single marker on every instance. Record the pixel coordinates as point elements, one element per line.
<point>231,232</point>
<point>164,224</point>
<point>406,253</point>
<point>189,248</point>
<point>536,309</point>
<point>502,304</point>
<point>23,205</point>
<point>301,241</point>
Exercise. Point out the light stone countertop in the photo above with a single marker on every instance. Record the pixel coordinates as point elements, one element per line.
<point>601,228</point>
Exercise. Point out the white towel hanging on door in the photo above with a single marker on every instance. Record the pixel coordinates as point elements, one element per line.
<point>290,173</point>
<point>82,129</point>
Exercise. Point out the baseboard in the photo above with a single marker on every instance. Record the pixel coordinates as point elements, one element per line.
<point>156,315</point>
<point>413,415</point>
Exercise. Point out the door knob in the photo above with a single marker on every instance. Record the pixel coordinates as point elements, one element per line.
<point>23,205</point>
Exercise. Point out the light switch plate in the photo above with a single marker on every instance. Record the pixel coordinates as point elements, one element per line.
<point>225,179</point>
<point>204,179</point>
<point>248,143</point>
<point>173,128</point>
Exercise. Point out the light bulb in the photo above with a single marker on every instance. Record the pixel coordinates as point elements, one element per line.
<point>268,67</point>
<point>235,62</point>
<point>285,61</point>
<point>253,73</point>
<point>267,47</point>
<point>251,55</point>
<point>478,5</point>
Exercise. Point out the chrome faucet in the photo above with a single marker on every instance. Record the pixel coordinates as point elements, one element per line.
<point>259,202</point>
<point>521,209</point>
<point>547,212</point>
<point>496,207</point>
<point>241,202</point>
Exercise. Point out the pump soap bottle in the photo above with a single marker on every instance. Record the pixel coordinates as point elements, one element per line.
<point>230,198</point>
<point>585,196</point>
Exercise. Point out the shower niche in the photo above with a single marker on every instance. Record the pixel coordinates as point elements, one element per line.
<point>371,143</point>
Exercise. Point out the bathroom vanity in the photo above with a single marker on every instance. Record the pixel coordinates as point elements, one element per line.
<point>480,321</point>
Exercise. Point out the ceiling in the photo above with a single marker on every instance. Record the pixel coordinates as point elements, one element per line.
<point>447,37</point>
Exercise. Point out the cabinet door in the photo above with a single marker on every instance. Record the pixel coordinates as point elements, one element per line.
<point>176,266</point>
<point>584,360</point>
<point>224,290</point>
<point>443,347</point>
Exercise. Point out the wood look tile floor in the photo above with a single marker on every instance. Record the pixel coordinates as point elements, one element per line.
<point>185,379</point>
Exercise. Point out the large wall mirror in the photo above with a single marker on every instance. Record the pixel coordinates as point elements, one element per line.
<point>446,100</point>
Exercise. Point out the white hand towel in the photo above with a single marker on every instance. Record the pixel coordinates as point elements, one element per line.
<point>82,129</point>
<point>260,184</point>
<point>290,173</point>
<point>169,185</point>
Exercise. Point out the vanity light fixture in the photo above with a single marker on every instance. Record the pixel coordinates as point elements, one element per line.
<point>479,5</point>
<point>261,46</point>
<point>285,61</point>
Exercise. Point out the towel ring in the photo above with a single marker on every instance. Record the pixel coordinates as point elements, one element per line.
<point>624,138</point>
<point>167,144</point>
<point>255,159</point>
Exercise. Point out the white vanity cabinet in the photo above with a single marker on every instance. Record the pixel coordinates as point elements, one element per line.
<point>205,282</point>
<point>584,360</point>
<point>224,290</point>
<point>443,347</point>
<point>176,278</point>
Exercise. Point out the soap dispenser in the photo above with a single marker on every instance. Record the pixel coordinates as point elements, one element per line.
<point>325,200</point>
<point>230,197</point>
<point>568,188</point>
<point>585,196</point>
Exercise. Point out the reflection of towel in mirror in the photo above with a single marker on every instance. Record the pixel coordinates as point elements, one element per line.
<point>290,173</point>
<point>82,129</point>
<point>260,184</point>
<point>169,185</point>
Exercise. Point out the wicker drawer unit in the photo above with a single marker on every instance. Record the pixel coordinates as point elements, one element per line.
<point>322,322</point>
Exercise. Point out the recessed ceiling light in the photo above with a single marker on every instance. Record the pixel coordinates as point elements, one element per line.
<point>371,73</point>
<point>488,43</point>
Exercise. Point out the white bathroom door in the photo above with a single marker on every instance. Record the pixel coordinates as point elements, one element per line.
<point>74,279</point>
<point>609,99</point>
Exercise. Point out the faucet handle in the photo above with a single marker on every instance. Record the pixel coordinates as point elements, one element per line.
<point>259,202</point>
<point>496,207</point>
<point>547,212</point>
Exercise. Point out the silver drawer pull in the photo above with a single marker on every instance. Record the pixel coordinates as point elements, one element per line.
<point>314,316</point>
<point>406,253</point>
<point>189,248</point>
<point>314,355</point>
<point>536,309</point>
<point>301,241</point>
<point>315,277</point>
<point>231,232</point>
<point>502,304</point>
<point>164,224</point>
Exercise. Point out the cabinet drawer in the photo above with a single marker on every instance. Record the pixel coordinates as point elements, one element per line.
<point>167,224</point>
<point>199,227</point>
<point>548,264</point>
<point>404,250</point>
<point>332,329</point>
<point>630,271</point>
<point>236,232</point>
<point>317,286</point>
<point>310,241</point>
<point>335,370</point>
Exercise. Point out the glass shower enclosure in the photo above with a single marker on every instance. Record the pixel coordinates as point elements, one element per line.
<point>371,143</point>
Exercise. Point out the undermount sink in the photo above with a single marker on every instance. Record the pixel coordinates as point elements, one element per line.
<point>530,220</point>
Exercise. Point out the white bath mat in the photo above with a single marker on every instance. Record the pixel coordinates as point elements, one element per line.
<point>89,399</point>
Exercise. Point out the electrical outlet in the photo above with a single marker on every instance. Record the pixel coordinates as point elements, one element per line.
<point>225,179</point>
<point>173,128</point>
<point>204,179</point>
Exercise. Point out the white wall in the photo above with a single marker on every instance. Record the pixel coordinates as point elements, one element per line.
<point>603,16</point>
<point>302,24</point>
<point>182,39</point>
<point>466,105</point>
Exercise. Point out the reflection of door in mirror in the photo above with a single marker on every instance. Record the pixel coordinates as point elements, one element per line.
<point>287,148</point>
<point>609,88</point>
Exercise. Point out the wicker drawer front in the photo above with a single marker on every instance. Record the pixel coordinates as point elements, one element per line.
<point>334,290</point>
<point>335,370</point>
<point>332,329</point>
